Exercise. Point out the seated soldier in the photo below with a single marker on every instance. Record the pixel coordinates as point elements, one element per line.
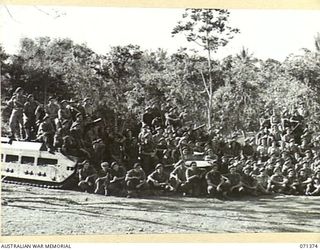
<point>277,182</point>
<point>178,176</point>
<point>46,133</point>
<point>116,184</point>
<point>249,183</point>
<point>194,177</point>
<point>158,180</point>
<point>262,180</point>
<point>135,181</point>
<point>313,188</point>
<point>71,147</point>
<point>293,183</point>
<point>304,180</point>
<point>87,177</point>
<point>214,181</point>
<point>233,182</point>
<point>103,179</point>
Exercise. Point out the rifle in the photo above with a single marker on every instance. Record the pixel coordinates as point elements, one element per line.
<point>196,128</point>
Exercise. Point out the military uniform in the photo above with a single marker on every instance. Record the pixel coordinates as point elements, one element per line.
<point>64,114</point>
<point>136,181</point>
<point>194,180</point>
<point>16,119</point>
<point>87,177</point>
<point>158,179</point>
<point>116,185</point>
<point>46,133</point>
<point>60,134</point>
<point>29,118</point>
<point>233,182</point>
<point>178,176</point>
<point>52,111</point>
<point>214,180</point>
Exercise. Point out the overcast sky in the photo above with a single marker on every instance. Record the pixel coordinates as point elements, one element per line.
<point>266,33</point>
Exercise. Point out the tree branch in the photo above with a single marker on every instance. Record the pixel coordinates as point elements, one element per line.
<point>205,84</point>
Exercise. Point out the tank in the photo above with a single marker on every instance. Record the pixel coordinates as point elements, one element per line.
<point>29,163</point>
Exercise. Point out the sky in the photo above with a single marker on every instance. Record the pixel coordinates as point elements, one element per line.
<point>266,33</point>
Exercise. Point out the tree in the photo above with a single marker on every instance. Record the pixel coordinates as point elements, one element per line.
<point>209,29</point>
<point>235,104</point>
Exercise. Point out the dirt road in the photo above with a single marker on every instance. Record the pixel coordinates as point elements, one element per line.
<point>34,211</point>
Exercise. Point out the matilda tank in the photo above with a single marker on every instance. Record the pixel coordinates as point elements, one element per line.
<point>31,164</point>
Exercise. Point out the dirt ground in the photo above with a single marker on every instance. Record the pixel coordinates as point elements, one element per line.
<point>35,211</point>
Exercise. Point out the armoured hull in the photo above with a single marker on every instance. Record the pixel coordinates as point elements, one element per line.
<point>28,162</point>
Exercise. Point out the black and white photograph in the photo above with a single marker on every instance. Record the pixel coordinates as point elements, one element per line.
<point>122,120</point>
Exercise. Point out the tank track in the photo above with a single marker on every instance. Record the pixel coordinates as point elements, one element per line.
<point>33,184</point>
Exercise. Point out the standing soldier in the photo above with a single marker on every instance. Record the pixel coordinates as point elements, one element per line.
<point>16,119</point>
<point>99,151</point>
<point>64,114</point>
<point>46,133</point>
<point>77,129</point>
<point>88,109</point>
<point>29,120</point>
<point>61,133</point>
<point>52,110</point>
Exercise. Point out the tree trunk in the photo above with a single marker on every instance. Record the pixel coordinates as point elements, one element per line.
<point>210,84</point>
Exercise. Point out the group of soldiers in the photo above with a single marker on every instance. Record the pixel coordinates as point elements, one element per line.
<point>168,154</point>
<point>58,125</point>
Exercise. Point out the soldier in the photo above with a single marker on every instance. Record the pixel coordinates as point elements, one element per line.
<point>52,109</point>
<point>293,183</point>
<point>233,182</point>
<point>158,180</point>
<point>77,129</point>
<point>29,112</point>
<point>103,179</point>
<point>87,177</point>
<point>40,113</point>
<point>178,176</point>
<point>248,182</point>
<point>214,181</point>
<point>313,188</point>
<point>304,181</point>
<point>64,114</point>
<point>274,149</point>
<point>194,178</point>
<point>88,109</point>
<point>61,133</point>
<point>99,150</point>
<point>147,117</point>
<point>262,180</point>
<point>136,181</point>
<point>116,184</point>
<point>277,182</point>
<point>247,150</point>
<point>46,133</point>
<point>16,119</point>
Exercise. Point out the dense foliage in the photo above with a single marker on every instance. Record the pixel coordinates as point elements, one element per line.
<point>126,79</point>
